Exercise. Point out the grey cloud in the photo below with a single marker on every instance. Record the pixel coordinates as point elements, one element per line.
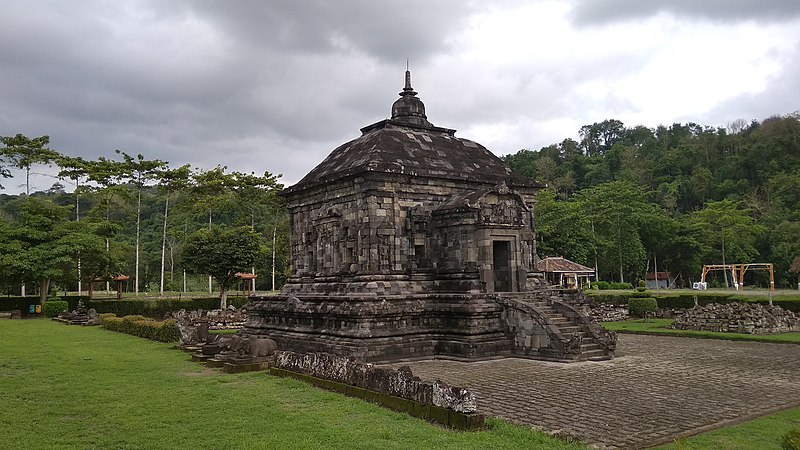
<point>210,82</point>
<point>771,101</point>
<point>600,12</point>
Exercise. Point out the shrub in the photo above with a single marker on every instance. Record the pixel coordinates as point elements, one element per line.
<point>639,307</point>
<point>162,331</point>
<point>791,440</point>
<point>52,308</point>
<point>616,298</point>
<point>601,285</point>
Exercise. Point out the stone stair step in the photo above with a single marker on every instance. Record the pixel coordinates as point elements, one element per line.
<point>596,355</point>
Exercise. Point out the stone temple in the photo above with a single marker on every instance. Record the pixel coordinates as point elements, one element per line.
<point>408,242</point>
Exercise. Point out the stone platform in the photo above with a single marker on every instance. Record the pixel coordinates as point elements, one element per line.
<point>543,324</point>
<point>661,389</point>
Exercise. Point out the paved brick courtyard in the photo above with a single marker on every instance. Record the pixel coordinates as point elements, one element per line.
<point>662,388</point>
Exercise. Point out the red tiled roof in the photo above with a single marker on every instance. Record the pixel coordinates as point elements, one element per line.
<point>560,264</point>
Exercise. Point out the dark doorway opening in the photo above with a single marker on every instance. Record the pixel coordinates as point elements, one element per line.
<point>501,259</point>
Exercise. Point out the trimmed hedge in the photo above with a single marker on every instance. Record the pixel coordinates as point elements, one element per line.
<point>611,285</point>
<point>162,331</point>
<point>52,308</point>
<point>10,303</point>
<point>150,307</point>
<point>640,306</point>
<point>669,300</point>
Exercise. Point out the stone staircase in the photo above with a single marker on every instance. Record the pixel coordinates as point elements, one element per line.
<point>548,325</point>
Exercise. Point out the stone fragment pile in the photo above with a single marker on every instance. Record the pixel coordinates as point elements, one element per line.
<point>216,319</point>
<point>745,318</point>
<point>606,312</point>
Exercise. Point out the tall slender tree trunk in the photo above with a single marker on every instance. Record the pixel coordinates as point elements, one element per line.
<point>108,248</point>
<point>164,244</point>
<point>209,277</point>
<point>619,249</point>
<point>273,257</point>
<point>223,296</point>
<point>44,287</point>
<point>724,272</point>
<point>77,219</point>
<point>655,269</point>
<point>138,223</point>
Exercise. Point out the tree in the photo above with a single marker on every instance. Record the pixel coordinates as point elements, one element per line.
<point>221,252</point>
<point>616,211</point>
<point>25,152</point>
<point>726,227</point>
<point>139,171</point>
<point>171,181</point>
<point>795,267</point>
<point>41,245</point>
<point>562,229</point>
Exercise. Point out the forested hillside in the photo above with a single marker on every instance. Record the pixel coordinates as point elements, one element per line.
<point>128,215</point>
<point>628,199</point>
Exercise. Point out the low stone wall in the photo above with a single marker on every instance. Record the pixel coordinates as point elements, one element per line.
<point>399,383</point>
<point>745,318</point>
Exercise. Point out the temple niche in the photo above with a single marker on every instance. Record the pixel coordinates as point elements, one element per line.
<point>409,242</point>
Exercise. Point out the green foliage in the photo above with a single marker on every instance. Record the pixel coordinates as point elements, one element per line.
<point>640,293</point>
<point>672,198</point>
<point>135,382</point>
<point>52,308</point>
<point>611,285</point>
<point>791,440</point>
<point>639,307</point>
<point>41,245</point>
<point>221,252</point>
<point>163,331</point>
<point>24,152</point>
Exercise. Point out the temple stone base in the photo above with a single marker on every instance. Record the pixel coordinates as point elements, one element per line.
<point>543,324</point>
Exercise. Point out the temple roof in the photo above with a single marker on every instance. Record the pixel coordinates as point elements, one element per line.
<point>409,144</point>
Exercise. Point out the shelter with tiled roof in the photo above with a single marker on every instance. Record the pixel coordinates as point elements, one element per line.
<point>560,271</point>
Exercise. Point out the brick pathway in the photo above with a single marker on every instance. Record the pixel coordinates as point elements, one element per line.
<point>663,387</point>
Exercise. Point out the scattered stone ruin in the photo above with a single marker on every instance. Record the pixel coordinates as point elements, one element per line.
<point>232,352</point>
<point>408,242</point>
<point>13,314</point>
<point>608,312</point>
<point>746,318</point>
<point>229,318</point>
<point>79,316</point>
<point>399,383</point>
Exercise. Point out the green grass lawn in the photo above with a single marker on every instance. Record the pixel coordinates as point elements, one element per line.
<point>764,433</point>
<point>659,326</point>
<point>85,387</point>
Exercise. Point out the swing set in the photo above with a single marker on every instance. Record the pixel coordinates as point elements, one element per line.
<point>738,271</point>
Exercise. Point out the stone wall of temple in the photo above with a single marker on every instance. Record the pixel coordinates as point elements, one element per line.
<point>388,227</point>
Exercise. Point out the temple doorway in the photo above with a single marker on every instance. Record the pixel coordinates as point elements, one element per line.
<point>501,259</point>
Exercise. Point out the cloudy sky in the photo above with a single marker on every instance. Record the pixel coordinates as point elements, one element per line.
<point>276,85</point>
